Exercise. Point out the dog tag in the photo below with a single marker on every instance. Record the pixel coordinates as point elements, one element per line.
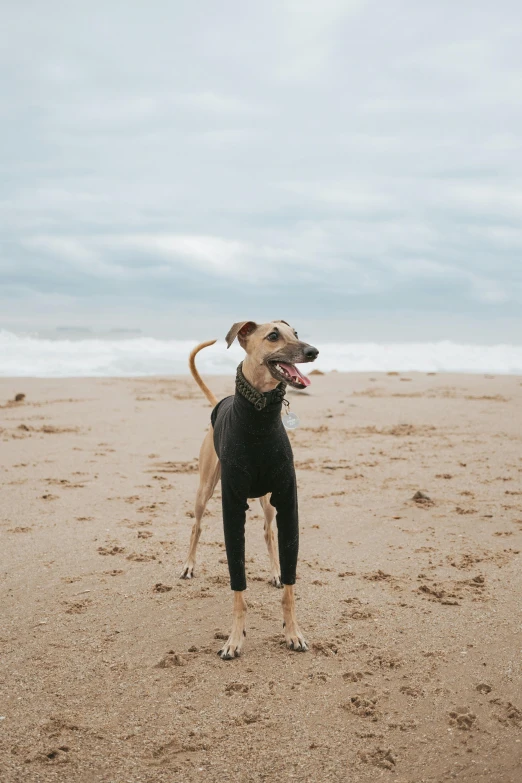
<point>290,421</point>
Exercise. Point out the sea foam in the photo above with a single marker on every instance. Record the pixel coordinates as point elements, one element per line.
<point>30,355</point>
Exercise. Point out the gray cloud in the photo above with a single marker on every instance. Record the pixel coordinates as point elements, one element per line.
<point>326,157</point>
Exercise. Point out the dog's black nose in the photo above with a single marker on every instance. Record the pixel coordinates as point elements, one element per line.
<point>311,353</point>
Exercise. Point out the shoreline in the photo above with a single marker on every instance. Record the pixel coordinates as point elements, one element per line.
<point>489,375</point>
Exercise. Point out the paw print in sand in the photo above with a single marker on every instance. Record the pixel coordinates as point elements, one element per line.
<point>462,718</point>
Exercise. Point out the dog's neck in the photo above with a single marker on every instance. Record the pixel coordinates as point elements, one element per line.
<point>258,375</point>
<point>260,401</point>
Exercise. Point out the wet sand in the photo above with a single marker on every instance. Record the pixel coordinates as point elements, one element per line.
<point>412,608</point>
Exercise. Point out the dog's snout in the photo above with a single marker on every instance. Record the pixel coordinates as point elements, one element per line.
<point>311,353</point>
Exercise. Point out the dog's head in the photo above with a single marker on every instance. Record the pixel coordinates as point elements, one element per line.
<point>273,349</point>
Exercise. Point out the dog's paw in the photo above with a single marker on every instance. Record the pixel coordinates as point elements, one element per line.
<point>187,572</point>
<point>295,640</point>
<point>232,648</point>
<point>298,644</point>
<point>275,581</point>
<point>228,652</point>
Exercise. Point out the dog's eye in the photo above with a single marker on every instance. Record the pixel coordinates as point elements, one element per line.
<point>296,335</point>
<point>273,336</point>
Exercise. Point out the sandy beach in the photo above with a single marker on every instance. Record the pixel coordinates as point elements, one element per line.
<point>412,608</point>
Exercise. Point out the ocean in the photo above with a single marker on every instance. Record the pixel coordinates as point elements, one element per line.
<point>110,356</point>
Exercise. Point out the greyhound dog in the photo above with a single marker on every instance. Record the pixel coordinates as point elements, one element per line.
<point>248,448</point>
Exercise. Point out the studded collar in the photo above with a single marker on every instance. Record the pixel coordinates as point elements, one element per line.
<point>258,399</point>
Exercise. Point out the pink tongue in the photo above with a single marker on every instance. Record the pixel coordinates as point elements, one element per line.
<point>295,374</point>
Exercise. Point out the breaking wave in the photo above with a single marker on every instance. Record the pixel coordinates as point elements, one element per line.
<point>30,355</point>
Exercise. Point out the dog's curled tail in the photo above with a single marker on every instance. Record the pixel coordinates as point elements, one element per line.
<point>195,374</point>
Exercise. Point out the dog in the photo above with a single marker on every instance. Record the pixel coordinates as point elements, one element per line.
<point>248,448</point>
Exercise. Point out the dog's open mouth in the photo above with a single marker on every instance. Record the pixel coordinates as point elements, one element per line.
<point>283,371</point>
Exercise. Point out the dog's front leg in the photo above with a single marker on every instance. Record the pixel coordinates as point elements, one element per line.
<point>293,636</point>
<point>234,493</point>
<point>285,501</point>
<point>232,648</point>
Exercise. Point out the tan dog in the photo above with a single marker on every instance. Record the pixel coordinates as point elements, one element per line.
<point>272,349</point>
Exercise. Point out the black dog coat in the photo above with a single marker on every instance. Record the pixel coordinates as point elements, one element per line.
<point>256,459</point>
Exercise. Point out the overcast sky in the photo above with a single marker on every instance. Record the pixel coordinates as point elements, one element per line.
<point>349,165</point>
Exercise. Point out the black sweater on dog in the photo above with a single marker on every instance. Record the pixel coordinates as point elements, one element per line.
<point>256,459</point>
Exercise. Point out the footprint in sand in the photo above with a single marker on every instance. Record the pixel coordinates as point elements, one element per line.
<point>175,467</point>
<point>153,507</point>
<point>384,661</point>
<point>78,607</point>
<point>140,558</point>
<point>384,758</point>
<point>161,588</point>
<point>463,511</point>
<point>320,677</point>
<point>378,576</point>
<point>507,713</point>
<point>171,659</point>
<point>236,687</point>
<point>422,499</point>
<point>248,717</point>
<point>462,718</point>
<point>356,614</point>
<point>326,648</point>
<point>108,550</point>
<point>408,690</point>
<point>64,483</point>
<point>353,676</point>
<point>364,705</point>
<point>134,525</point>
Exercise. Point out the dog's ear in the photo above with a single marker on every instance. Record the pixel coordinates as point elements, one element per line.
<point>240,330</point>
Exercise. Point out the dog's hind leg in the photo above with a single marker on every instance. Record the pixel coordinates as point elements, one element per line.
<point>269,512</point>
<point>209,474</point>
